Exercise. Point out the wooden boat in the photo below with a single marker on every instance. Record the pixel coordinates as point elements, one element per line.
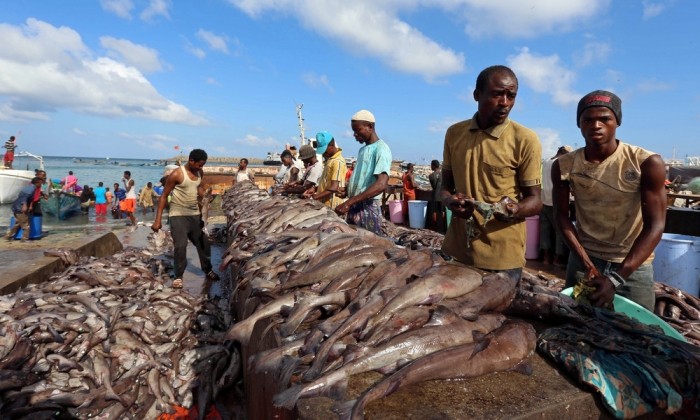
<point>61,204</point>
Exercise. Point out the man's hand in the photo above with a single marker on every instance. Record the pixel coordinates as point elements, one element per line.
<point>156,225</point>
<point>342,208</point>
<point>460,205</point>
<point>604,291</point>
<point>309,193</point>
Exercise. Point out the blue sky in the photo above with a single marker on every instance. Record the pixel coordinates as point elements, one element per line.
<point>135,78</point>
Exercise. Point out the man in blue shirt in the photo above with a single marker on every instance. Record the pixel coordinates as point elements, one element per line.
<point>22,208</point>
<point>370,177</point>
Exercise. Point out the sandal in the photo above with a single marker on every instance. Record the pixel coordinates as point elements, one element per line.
<point>177,284</point>
<point>212,276</point>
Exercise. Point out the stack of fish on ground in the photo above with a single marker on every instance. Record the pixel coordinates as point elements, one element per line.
<point>680,309</point>
<point>106,338</point>
<point>346,301</point>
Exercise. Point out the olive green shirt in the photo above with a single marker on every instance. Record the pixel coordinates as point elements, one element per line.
<point>488,165</point>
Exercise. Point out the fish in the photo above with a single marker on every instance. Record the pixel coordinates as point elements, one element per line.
<point>495,294</point>
<point>242,330</point>
<point>503,349</point>
<point>405,347</point>
<point>437,283</point>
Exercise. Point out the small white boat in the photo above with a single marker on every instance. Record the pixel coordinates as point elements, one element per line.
<point>13,180</point>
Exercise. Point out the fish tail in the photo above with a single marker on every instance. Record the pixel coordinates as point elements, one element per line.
<point>288,398</point>
<point>110,395</point>
<point>337,389</point>
<point>344,409</point>
<point>286,368</point>
<point>316,367</point>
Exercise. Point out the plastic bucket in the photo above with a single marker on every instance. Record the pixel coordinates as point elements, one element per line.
<point>677,262</point>
<point>395,213</point>
<point>532,237</point>
<point>416,213</point>
<point>35,225</point>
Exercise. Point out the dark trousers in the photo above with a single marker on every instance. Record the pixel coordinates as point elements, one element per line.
<point>183,228</point>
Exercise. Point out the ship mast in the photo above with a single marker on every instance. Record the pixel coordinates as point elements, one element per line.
<point>301,124</point>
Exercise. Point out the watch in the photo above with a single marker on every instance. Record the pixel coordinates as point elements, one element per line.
<point>616,279</point>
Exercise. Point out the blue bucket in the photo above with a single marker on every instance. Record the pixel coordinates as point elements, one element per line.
<point>35,225</point>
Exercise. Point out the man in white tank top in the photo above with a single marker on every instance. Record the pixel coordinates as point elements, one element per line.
<point>620,206</point>
<point>128,205</point>
<point>185,213</point>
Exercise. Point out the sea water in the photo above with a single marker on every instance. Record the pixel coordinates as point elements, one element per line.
<point>90,171</point>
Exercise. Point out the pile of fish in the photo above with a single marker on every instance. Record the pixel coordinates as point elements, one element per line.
<point>345,301</point>
<point>413,238</point>
<point>681,310</point>
<point>105,338</point>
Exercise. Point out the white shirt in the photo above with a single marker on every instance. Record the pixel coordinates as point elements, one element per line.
<point>243,176</point>
<point>547,182</point>
<point>313,173</point>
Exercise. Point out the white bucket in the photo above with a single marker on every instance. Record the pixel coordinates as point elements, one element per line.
<point>416,213</point>
<point>677,262</point>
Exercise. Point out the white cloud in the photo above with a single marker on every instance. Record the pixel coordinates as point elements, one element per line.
<point>374,28</point>
<point>517,18</point>
<point>121,8</point>
<point>212,81</point>
<point>592,52</point>
<point>79,132</point>
<point>370,28</point>
<point>545,74</point>
<point>157,8</point>
<point>46,68</point>
<point>197,52</point>
<point>143,58</point>
<point>551,141</point>
<point>652,9</point>
<point>442,126</point>
<point>255,141</point>
<point>653,85</point>
<point>214,42</point>
<point>315,80</point>
<point>8,113</point>
<point>160,142</point>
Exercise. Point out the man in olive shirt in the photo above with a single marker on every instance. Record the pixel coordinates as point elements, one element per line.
<point>487,158</point>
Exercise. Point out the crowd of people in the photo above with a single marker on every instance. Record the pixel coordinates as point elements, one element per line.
<point>487,159</point>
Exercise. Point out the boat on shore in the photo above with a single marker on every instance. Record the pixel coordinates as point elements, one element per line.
<point>13,180</point>
<point>61,204</point>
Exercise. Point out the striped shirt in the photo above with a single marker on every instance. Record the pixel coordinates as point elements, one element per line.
<point>10,146</point>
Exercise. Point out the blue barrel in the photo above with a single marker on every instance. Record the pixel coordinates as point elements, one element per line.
<point>677,262</point>
<point>35,226</point>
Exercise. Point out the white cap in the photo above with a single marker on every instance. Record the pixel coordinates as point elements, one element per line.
<point>363,115</point>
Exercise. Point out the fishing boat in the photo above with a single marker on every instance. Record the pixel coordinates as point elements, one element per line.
<point>61,204</point>
<point>272,158</point>
<point>13,180</point>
